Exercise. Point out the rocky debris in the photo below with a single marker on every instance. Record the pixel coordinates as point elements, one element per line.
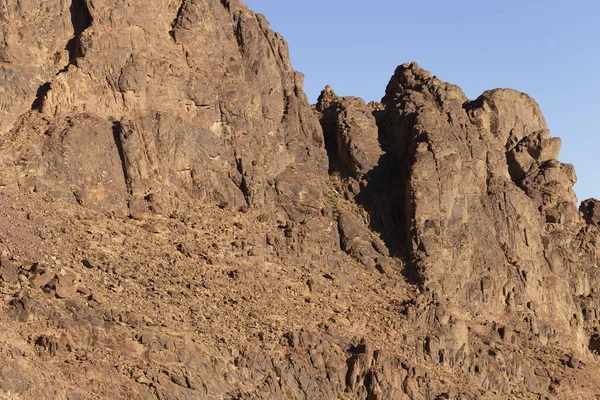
<point>163,168</point>
<point>47,344</point>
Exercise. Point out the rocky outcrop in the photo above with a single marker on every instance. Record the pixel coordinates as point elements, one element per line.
<point>468,197</point>
<point>591,211</point>
<point>171,228</point>
<point>483,210</point>
<point>200,99</point>
<point>350,134</point>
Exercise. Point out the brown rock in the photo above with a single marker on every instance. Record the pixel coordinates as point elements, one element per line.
<point>350,132</point>
<point>65,289</point>
<point>449,225</point>
<point>39,280</point>
<point>150,228</point>
<point>9,270</point>
<point>591,211</point>
<point>573,362</point>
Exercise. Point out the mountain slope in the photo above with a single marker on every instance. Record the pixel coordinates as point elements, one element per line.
<point>178,222</point>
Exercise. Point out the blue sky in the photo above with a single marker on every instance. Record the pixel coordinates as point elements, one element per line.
<point>548,49</point>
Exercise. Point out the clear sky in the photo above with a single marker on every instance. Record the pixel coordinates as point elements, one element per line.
<point>549,49</point>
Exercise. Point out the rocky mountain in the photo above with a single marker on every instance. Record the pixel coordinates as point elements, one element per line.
<point>178,222</point>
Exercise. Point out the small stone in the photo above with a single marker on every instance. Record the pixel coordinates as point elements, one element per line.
<point>179,379</point>
<point>84,291</point>
<point>41,280</point>
<point>27,265</point>
<point>115,288</point>
<point>150,228</point>
<point>9,270</point>
<point>97,297</point>
<point>184,249</point>
<point>143,379</point>
<point>134,348</point>
<point>137,216</point>
<point>147,337</point>
<point>573,362</point>
<point>65,289</point>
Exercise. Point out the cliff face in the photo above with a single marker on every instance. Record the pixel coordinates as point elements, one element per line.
<point>472,197</point>
<point>178,222</point>
<point>191,97</point>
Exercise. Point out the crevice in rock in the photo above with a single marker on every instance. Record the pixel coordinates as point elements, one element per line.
<point>81,19</point>
<point>387,195</point>
<point>177,21</point>
<point>237,32</point>
<point>226,4</point>
<point>80,16</point>
<point>384,190</point>
<point>244,184</point>
<point>117,129</point>
<point>594,344</point>
<point>330,134</point>
<point>40,95</point>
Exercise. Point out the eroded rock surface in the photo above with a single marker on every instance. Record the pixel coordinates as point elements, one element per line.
<point>178,222</point>
<point>200,96</point>
<point>350,133</point>
<point>591,211</point>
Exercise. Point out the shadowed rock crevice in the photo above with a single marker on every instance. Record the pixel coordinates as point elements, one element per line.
<point>117,130</point>
<point>226,4</point>
<point>80,16</point>
<point>177,20</point>
<point>328,120</point>
<point>367,155</point>
<point>81,19</point>
<point>387,196</point>
<point>40,96</point>
<point>594,344</point>
<point>243,184</point>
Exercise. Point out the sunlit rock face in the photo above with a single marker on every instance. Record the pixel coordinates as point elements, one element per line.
<point>177,221</point>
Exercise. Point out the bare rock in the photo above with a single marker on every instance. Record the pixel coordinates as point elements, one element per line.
<point>9,269</point>
<point>65,288</point>
<point>445,233</point>
<point>187,131</point>
<point>42,278</point>
<point>591,211</point>
<point>350,133</point>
